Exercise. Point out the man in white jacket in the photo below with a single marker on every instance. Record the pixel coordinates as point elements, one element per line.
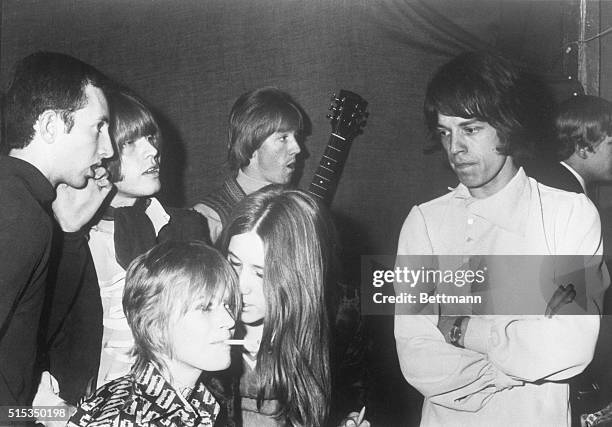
<point>483,370</point>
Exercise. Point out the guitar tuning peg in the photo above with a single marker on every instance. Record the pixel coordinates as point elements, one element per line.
<point>329,116</point>
<point>333,97</point>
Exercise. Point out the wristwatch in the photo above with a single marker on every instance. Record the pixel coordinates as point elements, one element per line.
<point>456,332</point>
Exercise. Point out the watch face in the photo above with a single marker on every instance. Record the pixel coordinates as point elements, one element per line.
<point>455,334</point>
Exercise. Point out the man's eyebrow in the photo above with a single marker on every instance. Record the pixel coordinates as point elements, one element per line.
<point>468,122</point>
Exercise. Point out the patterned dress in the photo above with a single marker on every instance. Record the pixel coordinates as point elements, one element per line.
<point>146,400</point>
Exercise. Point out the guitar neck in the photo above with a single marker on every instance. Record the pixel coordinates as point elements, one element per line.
<point>327,175</point>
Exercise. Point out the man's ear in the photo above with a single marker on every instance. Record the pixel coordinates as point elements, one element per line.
<point>48,125</point>
<point>583,151</point>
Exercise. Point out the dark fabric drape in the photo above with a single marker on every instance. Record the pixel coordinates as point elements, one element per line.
<point>191,59</point>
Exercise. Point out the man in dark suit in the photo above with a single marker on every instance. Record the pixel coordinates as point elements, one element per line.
<point>56,136</point>
<point>583,137</point>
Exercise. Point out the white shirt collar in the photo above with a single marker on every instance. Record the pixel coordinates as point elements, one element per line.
<point>507,208</point>
<point>157,214</point>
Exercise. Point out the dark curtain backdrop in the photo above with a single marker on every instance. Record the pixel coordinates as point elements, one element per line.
<point>191,59</point>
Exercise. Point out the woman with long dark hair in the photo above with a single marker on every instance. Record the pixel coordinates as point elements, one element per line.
<point>280,242</point>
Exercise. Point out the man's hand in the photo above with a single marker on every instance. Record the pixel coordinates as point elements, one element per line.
<point>445,324</point>
<point>563,295</point>
<point>355,419</point>
<point>73,208</point>
<point>48,395</point>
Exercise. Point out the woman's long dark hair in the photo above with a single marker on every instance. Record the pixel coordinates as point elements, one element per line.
<point>293,358</point>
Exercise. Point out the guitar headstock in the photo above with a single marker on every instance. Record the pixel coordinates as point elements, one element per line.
<point>348,114</point>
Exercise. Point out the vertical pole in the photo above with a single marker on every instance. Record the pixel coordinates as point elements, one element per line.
<point>588,53</point>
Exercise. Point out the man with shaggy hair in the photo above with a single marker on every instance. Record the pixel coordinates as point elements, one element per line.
<point>485,369</point>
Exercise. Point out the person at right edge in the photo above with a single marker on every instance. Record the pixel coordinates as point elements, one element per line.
<point>582,151</point>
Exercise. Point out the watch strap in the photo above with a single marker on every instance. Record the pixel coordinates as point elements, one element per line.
<point>456,332</point>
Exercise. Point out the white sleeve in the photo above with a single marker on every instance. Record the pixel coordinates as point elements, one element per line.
<point>447,375</point>
<point>535,348</point>
<point>212,217</point>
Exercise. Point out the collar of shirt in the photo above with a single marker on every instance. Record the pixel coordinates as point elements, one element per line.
<point>157,214</point>
<point>576,175</point>
<point>153,209</point>
<point>38,185</point>
<point>248,184</point>
<point>508,208</point>
<point>201,409</point>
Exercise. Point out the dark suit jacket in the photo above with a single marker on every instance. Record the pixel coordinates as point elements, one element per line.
<point>553,174</point>
<point>25,244</point>
<point>72,322</point>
